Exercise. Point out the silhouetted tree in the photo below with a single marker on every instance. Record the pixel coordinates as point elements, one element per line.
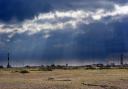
<point>1,66</point>
<point>53,66</point>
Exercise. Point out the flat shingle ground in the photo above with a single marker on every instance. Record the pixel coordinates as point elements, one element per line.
<point>65,79</point>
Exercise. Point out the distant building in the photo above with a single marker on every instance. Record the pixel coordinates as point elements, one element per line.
<point>112,65</point>
<point>97,66</point>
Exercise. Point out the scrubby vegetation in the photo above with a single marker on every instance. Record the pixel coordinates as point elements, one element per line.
<point>1,67</point>
<point>24,71</point>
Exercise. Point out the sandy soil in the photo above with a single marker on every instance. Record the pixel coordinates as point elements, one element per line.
<point>65,79</point>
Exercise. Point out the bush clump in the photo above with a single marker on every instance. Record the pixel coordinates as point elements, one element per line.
<point>45,69</point>
<point>1,67</point>
<point>24,71</point>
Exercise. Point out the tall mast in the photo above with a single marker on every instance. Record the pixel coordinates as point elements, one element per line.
<point>8,65</point>
<point>122,59</point>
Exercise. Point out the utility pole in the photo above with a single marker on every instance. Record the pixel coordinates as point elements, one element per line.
<point>8,65</point>
<point>122,59</point>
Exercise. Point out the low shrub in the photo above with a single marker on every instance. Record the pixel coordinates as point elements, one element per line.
<point>45,69</point>
<point>24,71</point>
<point>1,67</point>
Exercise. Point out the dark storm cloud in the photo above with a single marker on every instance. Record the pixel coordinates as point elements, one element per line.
<point>65,30</point>
<point>120,1</point>
<point>120,36</point>
<point>90,41</point>
<point>19,10</point>
<point>22,9</point>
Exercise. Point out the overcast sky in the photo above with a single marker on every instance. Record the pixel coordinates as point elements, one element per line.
<point>62,31</point>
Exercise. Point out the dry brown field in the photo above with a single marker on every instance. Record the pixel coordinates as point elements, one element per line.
<point>65,79</point>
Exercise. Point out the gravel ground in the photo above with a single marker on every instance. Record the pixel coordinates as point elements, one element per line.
<point>65,79</point>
